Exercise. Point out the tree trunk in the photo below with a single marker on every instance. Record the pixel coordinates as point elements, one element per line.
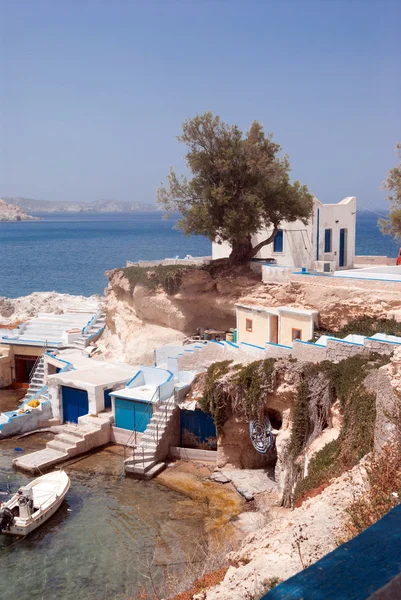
<point>243,251</point>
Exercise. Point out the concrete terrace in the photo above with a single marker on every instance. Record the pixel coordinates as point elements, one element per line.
<point>50,329</point>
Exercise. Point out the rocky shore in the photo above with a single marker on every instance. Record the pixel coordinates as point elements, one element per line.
<point>9,212</point>
<point>16,310</point>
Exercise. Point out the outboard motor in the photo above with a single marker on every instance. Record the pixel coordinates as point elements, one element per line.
<point>25,502</point>
<point>6,518</point>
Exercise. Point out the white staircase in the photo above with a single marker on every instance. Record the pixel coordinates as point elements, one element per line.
<point>144,462</point>
<point>91,331</point>
<point>75,439</point>
<point>36,379</point>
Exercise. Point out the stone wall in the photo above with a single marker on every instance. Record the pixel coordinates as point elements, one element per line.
<point>380,346</point>
<point>339,350</point>
<point>307,352</point>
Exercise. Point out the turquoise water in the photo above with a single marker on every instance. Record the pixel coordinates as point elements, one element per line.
<point>69,253</point>
<point>99,544</point>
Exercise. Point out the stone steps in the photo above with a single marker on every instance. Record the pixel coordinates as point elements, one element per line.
<point>151,470</point>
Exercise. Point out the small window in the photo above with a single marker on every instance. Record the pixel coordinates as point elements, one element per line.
<point>278,243</point>
<point>296,334</point>
<point>248,324</point>
<point>327,240</point>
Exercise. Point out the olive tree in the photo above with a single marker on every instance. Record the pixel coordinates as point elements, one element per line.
<point>392,225</point>
<point>239,185</point>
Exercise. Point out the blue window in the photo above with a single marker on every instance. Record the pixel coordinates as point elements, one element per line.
<point>327,240</point>
<point>278,243</point>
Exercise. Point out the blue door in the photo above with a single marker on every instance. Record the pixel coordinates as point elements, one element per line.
<point>75,403</point>
<point>197,429</point>
<point>132,415</point>
<point>107,399</point>
<point>343,252</point>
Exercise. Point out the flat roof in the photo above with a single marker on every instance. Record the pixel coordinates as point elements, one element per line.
<point>143,393</point>
<point>278,309</point>
<point>101,374</point>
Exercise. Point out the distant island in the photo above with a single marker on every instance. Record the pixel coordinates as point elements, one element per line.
<point>100,206</point>
<point>10,212</point>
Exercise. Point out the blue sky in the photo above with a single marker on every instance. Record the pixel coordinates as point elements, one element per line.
<point>94,93</point>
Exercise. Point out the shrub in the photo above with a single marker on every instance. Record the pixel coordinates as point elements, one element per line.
<point>358,406</point>
<point>382,494</point>
<point>365,325</point>
<point>169,277</point>
<point>214,400</point>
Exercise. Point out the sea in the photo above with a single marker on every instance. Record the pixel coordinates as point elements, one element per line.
<point>70,252</point>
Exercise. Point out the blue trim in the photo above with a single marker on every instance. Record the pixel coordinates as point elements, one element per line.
<point>311,343</point>
<point>345,277</point>
<point>134,377</point>
<point>318,234</point>
<point>216,342</point>
<point>384,341</point>
<point>278,345</point>
<point>252,345</point>
<point>345,342</point>
<point>232,344</point>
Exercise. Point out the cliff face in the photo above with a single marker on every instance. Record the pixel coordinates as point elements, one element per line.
<point>9,212</point>
<point>140,317</point>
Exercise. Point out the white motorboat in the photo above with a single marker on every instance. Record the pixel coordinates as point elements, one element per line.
<point>33,504</point>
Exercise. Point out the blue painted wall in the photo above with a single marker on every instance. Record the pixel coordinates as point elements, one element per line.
<point>132,415</point>
<point>355,570</point>
<point>199,423</point>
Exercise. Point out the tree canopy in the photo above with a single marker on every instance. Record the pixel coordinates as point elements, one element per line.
<point>392,225</point>
<point>240,184</point>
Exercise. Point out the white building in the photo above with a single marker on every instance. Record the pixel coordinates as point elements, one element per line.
<point>326,243</point>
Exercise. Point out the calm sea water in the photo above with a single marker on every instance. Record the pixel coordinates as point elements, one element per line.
<point>100,544</point>
<point>70,253</point>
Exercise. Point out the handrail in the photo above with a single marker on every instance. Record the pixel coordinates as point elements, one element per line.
<point>135,431</point>
<point>162,411</point>
<point>91,321</point>
<point>37,361</point>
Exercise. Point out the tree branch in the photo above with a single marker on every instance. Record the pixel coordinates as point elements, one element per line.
<point>269,240</point>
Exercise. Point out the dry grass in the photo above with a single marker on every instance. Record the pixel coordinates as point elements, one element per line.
<point>381,494</point>
<point>203,583</point>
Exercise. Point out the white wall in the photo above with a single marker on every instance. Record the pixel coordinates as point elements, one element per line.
<point>301,241</point>
<point>336,217</point>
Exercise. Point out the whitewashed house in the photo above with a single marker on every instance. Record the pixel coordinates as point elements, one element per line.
<point>325,244</point>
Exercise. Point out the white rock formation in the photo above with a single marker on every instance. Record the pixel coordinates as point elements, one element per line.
<point>15,310</point>
<point>272,551</point>
<point>10,212</point>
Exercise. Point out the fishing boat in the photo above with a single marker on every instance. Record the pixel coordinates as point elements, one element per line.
<point>33,504</point>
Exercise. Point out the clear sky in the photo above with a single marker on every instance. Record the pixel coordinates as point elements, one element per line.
<point>93,93</point>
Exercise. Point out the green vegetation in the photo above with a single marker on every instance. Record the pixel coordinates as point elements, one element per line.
<point>214,398</point>
<point>239,185</point>
<point>364,325</point>
<point>250,384</point>
<point>358,406</point>
<point>392,225</point>
<point>301,427</point>
<point>168,277</point>
<point>369,326</point>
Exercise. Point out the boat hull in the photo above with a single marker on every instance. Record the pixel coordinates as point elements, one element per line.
<point>22,527</point>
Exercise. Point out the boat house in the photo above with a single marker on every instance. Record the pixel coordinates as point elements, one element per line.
<point>258,325</point>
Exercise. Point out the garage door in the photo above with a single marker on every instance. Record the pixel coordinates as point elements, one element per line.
<point>75,404</point>
<point>132,415</point>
